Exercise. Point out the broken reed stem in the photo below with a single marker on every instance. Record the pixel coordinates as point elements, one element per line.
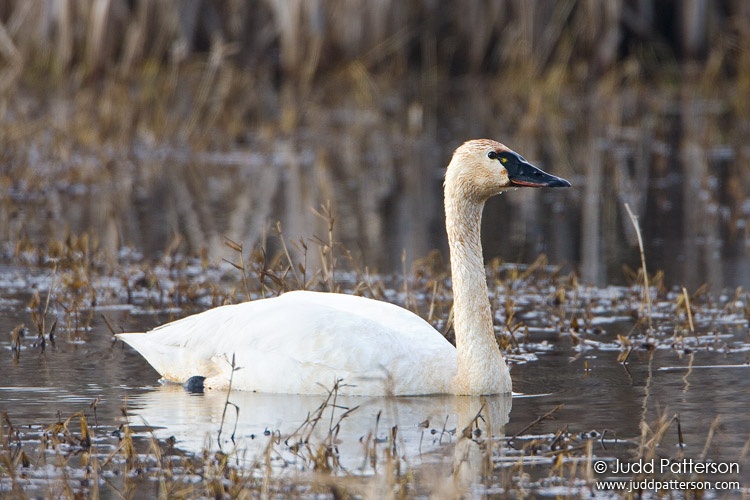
<point>280,233</point>
<point>327,254</point>
<point>41,326</point>
<point>709,438</point>
<point>226,405</point>
<point>467,431</point>
<point>407,300</point>
<point>646,290</point>
<point>238,247</point>
<point>680,438</point>
<point>536,421</point>
<point>332,266</point>
<point>687,308</point>
<point>433,297</point>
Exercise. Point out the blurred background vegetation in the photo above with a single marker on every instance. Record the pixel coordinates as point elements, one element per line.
<point>167,125</point>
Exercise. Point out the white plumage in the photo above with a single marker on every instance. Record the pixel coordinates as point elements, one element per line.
<point>301,342</point>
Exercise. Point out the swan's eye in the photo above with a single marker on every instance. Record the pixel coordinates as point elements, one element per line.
<point>494,155</point>
<point>503,157</point>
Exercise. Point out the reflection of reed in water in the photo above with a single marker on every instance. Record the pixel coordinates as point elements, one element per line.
<point>481,424</point>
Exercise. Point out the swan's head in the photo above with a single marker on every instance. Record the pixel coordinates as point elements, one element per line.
<point>482,168</point>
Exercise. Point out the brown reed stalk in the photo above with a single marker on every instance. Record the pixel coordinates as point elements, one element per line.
<point>240,265</point>
<point>227,403</point>
<point>646,290</point>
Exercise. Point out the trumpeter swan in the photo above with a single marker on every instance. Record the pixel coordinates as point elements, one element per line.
<point>302,341</point>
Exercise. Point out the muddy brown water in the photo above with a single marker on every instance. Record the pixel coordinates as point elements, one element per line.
<point>709,390</point>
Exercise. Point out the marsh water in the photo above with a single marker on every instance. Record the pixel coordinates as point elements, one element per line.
<point>569,352</point>
<point>101,243</point>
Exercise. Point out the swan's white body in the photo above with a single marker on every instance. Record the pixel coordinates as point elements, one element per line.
<point>302,342</point>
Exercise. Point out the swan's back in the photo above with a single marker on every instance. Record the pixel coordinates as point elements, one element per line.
<point>300,343</point>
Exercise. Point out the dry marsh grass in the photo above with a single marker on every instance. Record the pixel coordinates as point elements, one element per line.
<point>114,105</point>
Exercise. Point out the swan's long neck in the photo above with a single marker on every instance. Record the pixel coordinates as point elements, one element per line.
<point>481,368</point>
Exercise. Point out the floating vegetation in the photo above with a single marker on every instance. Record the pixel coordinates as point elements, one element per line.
<point>342,447</point>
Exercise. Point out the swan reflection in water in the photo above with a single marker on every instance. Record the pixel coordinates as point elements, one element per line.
<point>358,431</point>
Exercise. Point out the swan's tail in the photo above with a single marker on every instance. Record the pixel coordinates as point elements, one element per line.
<point>130,338</point>
<point>174,362</point>
<point>163,358</point>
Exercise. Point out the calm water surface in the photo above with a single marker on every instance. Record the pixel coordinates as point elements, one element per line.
<point>598,393</point>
